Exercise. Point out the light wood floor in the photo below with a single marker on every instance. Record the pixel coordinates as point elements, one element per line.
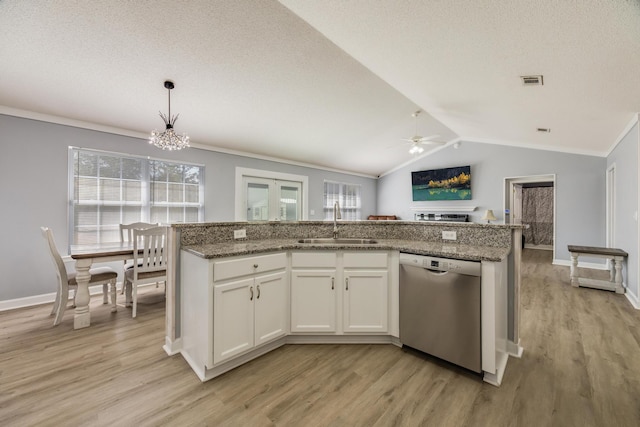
<point>581,367</point>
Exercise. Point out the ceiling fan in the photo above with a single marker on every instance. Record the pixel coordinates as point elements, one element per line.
<point>417,140</point>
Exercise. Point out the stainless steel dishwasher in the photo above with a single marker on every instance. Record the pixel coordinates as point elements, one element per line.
<point>440,308</point>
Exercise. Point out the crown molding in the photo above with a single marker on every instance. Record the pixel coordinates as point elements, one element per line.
<point>49,118</point>
<point>624,133</point>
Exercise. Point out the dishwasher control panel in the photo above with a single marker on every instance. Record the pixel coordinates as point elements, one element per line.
<point>441,264</point>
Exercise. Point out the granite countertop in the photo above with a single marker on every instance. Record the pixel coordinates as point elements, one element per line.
<point>445,250</point>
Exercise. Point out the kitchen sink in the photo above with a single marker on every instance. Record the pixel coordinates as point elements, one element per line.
<point>330,241</point>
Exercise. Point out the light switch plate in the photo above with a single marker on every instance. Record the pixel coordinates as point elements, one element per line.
<point>449,235</point>
<point>239,234</point>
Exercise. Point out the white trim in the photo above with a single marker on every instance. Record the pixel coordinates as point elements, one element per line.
<point>501,365</point>
<point>144,137</point>
<point>266,174</point>
<point>416,158</point>
<point>535,146</point>
<point>49,118</point>
<point>610,206</point>
<point>624,133</point>
<point>503,143</point>
<point>514,350</point>
<point>508,186</point>
<point>633,299</point>
<point>538,247</point>
<point>443,208</point>
<point>34,300</point>
<point>172,347</point>
<point>582,264</point>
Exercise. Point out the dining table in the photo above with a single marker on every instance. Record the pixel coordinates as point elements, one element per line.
<point>85,256</point>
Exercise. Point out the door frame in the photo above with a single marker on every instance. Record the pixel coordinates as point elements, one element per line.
<point>509,184</point>
<point>240,212</point>
<point>611,207</point>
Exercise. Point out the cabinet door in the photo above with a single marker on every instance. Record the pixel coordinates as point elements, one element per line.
<point>271,307</point>
<point>365,301</point>
<point>232,318</point>
<point>313,301</point>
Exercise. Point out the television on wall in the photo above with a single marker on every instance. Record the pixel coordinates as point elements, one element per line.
<point>442,184</point>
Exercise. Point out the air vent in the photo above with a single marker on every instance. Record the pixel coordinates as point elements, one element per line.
<point>532,80</point>
<point>545,130</point>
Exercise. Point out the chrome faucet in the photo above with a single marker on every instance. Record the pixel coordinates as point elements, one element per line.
<point>336,217</point>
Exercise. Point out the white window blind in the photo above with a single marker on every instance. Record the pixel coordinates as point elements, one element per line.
<point>108,189</point>
<point>348,195</point>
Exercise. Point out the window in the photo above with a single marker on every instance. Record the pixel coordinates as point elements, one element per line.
<point>109,189</point>
<point>348,195</point>
<point>270,196</point>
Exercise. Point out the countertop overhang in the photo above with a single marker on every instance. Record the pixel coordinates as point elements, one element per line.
<point>444,250</point>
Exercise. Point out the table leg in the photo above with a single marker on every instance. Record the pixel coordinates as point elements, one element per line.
<point>618,277</point>
<point>82,317</point>
<point>612,270</point>
<point>574,270</point>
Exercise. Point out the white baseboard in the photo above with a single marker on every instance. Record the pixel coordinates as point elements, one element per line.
<point>12,304</point>
<point>514,350</point>
<point>593,265</point>
<point>633,299</point>
<point>539,247</point>
<point>172,347</point>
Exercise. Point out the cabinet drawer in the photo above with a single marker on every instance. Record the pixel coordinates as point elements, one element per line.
<point>313,259</point>
<point>227,269</point>
<point>365,259</point>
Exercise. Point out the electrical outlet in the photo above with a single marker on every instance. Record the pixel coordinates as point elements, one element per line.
<point>239,234</point>
<point>449,235</point>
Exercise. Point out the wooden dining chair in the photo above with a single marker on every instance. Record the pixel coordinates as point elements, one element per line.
<point>104,276</point>
<point>126,235</point>
<point>149,262</point>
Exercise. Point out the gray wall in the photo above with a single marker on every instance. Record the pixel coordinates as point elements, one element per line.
<point>33,188</point>
<point>580,187</point>
<point>625,158</point>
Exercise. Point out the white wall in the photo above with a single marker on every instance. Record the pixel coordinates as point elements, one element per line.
<point>625,158</point>
<point>580,187</point>
<point>33,190</point>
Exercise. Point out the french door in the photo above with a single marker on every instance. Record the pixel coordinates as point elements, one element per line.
<point>271,199</point>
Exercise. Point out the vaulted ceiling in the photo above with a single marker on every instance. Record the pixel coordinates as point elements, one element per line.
<point>330,83</point>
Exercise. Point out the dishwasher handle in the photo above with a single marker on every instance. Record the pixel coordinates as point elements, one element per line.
<point>436,272</point>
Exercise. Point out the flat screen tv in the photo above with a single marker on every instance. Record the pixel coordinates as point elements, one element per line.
<point>442,184</point>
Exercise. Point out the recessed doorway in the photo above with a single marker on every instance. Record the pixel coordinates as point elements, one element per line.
<point>530,200</point>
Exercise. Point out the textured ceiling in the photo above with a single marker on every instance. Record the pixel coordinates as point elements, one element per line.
<point>328,82</point>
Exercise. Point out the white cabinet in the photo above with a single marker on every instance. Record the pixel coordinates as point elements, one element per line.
<point>233,319</point>
<point>313,292</point>
<point>366,292</point>
<point>365,302</point>
<point>247,313</point>
<point>340,292</point>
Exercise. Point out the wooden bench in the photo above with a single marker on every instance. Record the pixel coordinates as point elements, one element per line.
<point>615,279</point>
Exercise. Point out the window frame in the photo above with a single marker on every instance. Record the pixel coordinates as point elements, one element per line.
<point>146,203</point>
<point>348,212</point>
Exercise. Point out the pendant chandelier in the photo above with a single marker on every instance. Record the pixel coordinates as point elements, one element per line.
<point>168,139</point>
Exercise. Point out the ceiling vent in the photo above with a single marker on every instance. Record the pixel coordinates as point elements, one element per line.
<point>532,80</point>
<point>545,130</point>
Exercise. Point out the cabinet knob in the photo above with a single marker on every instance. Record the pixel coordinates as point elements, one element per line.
<point>255,265</point>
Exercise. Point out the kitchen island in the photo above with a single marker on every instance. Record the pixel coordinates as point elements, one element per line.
<point>229,301</point>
